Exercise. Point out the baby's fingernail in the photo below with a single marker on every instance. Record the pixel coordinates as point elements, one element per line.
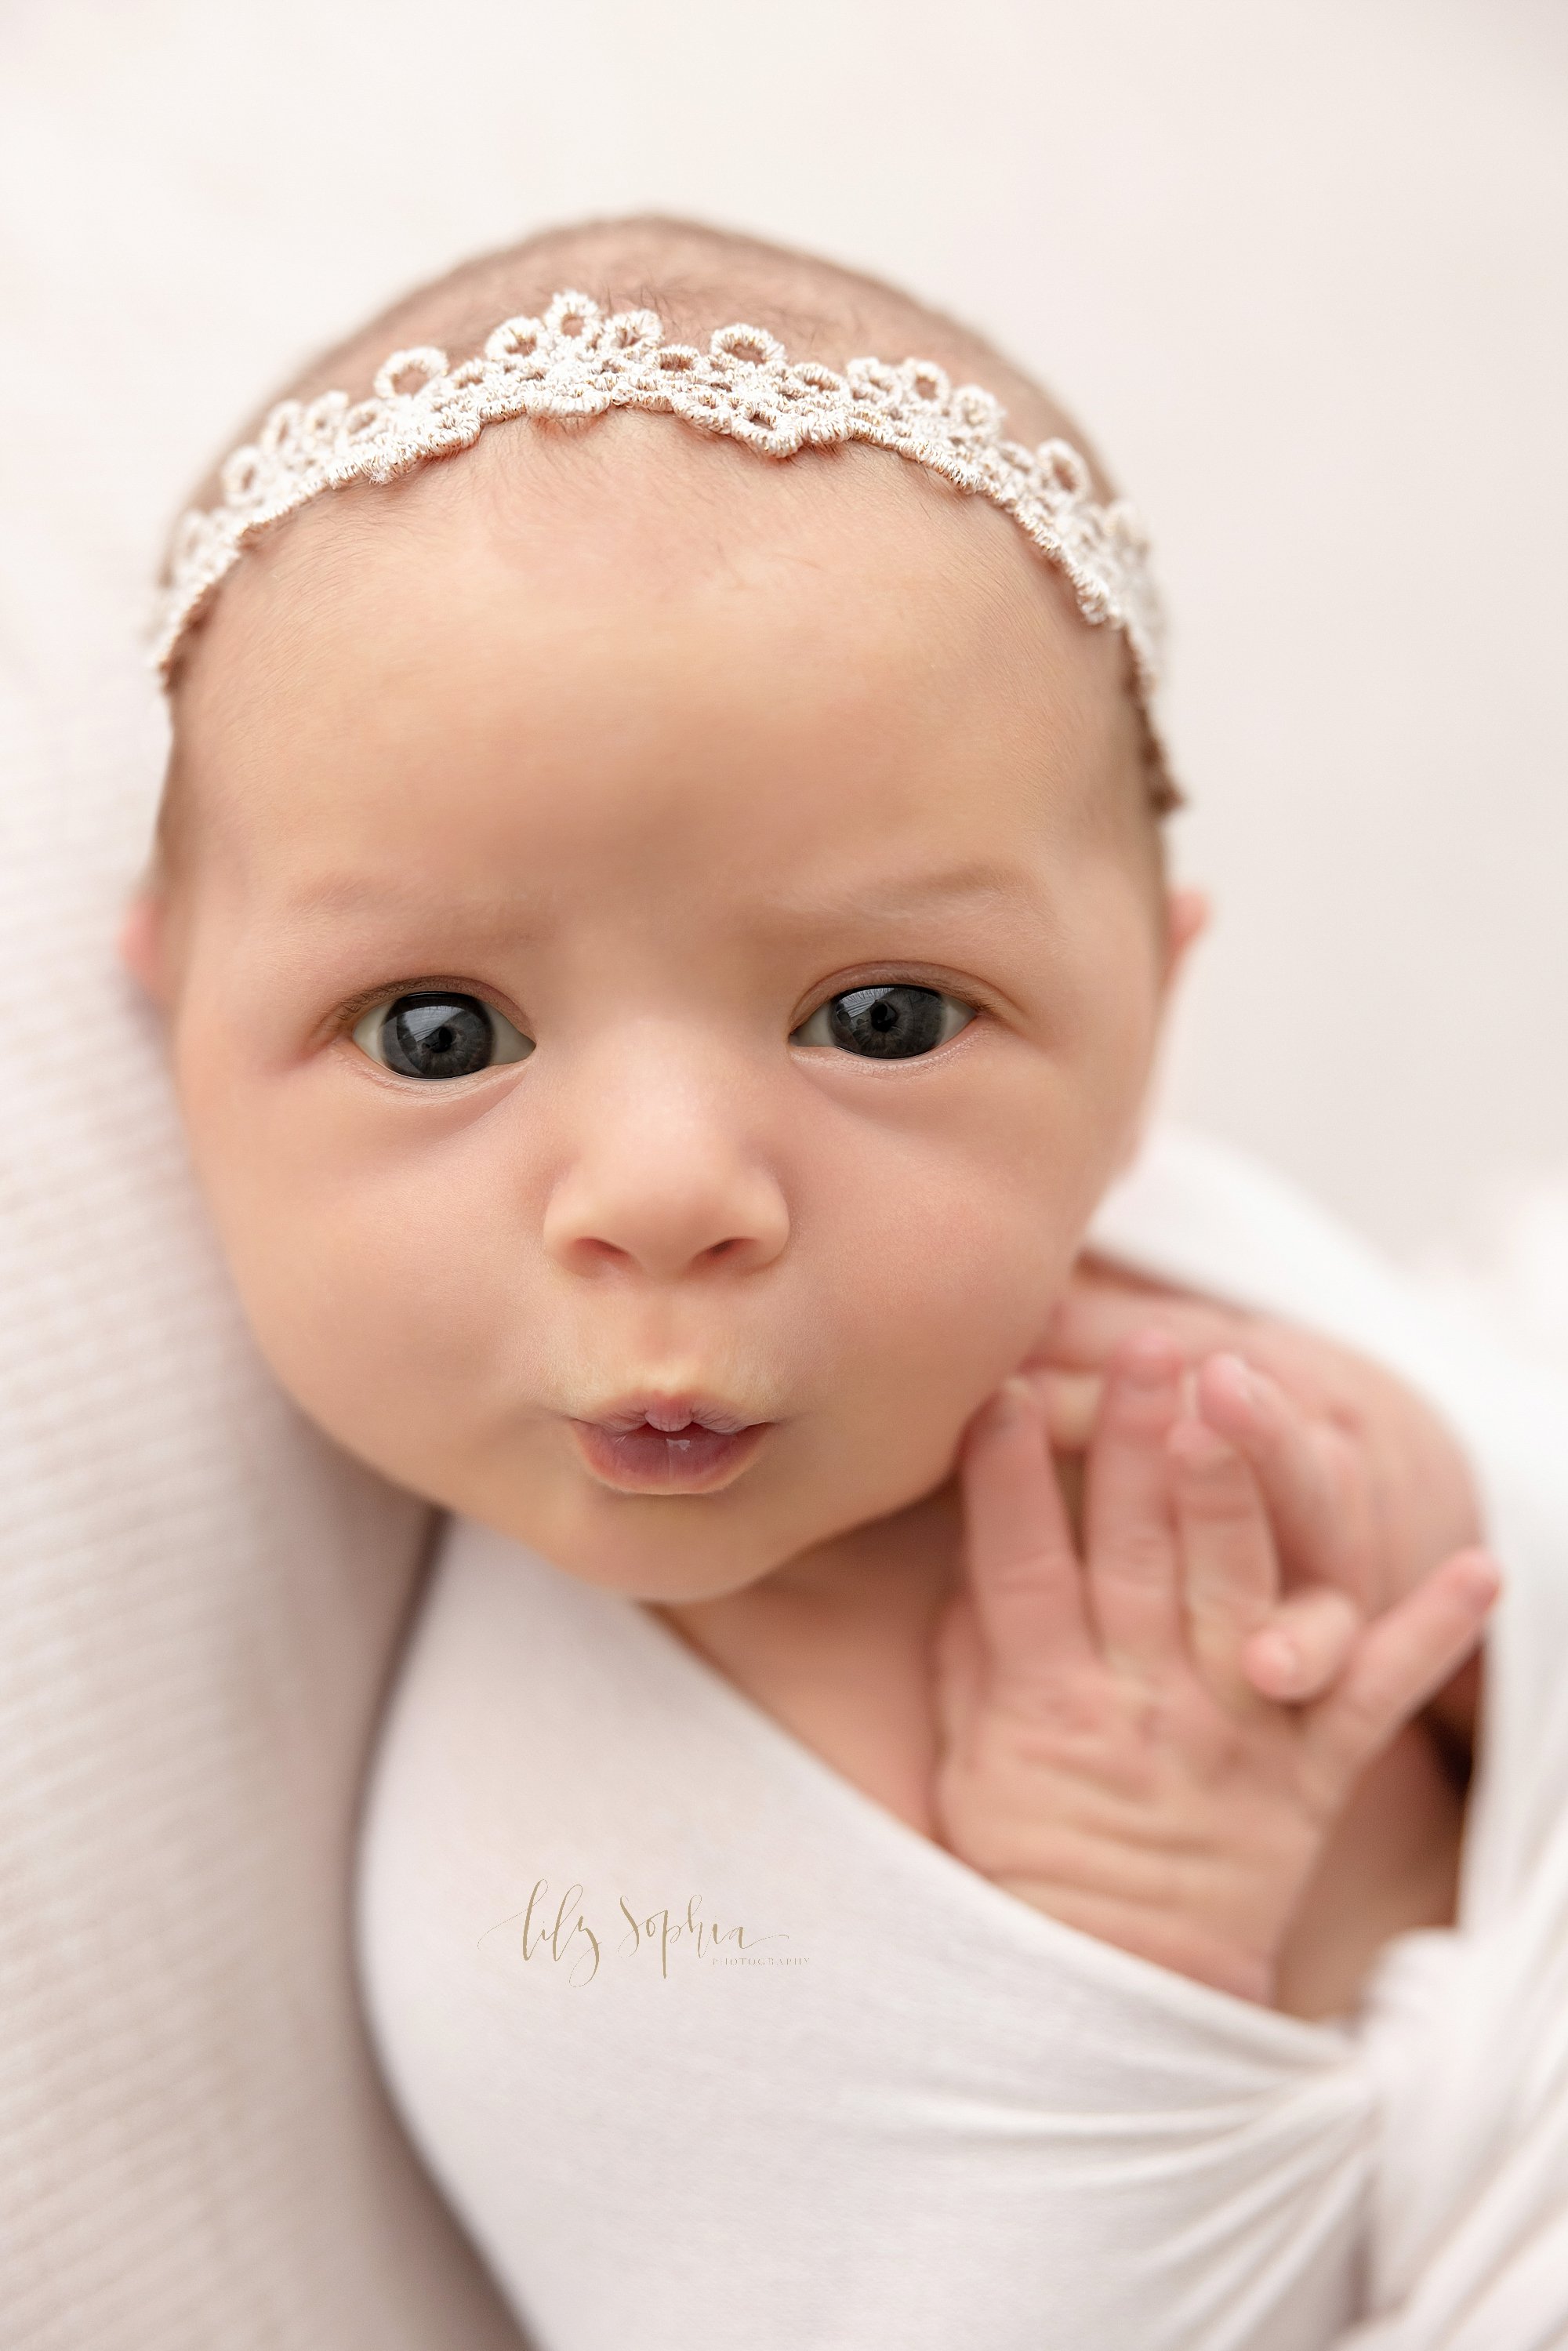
<point>1239,1378</point>
<point>1278,1655</point>
<point>1013,1399</point>
<point>1482,1580</point>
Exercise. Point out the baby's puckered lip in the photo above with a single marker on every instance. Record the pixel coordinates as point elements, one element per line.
<point>670,1413</point>
<point>660,1443</point>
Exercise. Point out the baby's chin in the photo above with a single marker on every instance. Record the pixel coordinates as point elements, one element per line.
<point>674,1548</point>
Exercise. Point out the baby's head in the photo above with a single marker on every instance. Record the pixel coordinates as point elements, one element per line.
<point>658,938</point>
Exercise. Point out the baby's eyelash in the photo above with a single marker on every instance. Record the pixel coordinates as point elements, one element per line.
<point>981,997</point>
<point>353,1008</point>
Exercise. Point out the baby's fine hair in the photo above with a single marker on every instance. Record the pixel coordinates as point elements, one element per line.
<point>696,278</point>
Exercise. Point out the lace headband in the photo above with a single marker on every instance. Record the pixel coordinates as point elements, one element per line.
<point>575,361</point>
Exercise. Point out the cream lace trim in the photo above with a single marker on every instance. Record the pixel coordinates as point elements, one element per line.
<point>574,361</point>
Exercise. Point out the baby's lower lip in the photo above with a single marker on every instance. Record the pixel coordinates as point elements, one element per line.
<point>646,1460</point>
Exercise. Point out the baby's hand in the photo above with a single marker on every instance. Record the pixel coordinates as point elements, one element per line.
<point>1367,1489</point>
<point>1105,1755</point>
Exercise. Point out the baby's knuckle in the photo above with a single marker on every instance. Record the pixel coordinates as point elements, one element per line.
<point>1018,1574</point>
<point>1142,1556</point>
<point>1228,1497</point>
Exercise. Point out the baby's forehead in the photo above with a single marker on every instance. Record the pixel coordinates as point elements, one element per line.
<point>567,632</point>
<point>651,502</point>
<point>632,530</point>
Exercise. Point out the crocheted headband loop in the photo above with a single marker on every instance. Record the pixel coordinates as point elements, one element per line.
<point>575,361</point>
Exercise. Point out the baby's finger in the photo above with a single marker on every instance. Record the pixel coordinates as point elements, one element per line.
<point>1403,1659</point>
<point>1308,1471</point>
<point>959,1670</point>
<point>1230,1575</point>
<point>1023,1573</point>
<point>1129,1525</point>
<point>1072,1406</point>
<point>1101,1309</point>
<point>1304,1646</point>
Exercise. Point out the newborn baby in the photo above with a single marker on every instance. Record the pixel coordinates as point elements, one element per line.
<point>665,951</point>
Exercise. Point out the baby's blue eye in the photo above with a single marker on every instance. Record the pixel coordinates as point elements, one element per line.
<point>891,1022</point>
<point>435,1034</point>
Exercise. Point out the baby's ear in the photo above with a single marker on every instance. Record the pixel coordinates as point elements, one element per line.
<point>143,942</point>
<point>1186,918</point>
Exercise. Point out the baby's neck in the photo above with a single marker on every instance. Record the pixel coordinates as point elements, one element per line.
<point>876,1566</point>
<point>836,1645</point>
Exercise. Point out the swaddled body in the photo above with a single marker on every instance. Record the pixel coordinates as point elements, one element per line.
<point>645,1973</point>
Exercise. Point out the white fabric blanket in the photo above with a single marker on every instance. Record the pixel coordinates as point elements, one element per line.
<point>896,2105</point>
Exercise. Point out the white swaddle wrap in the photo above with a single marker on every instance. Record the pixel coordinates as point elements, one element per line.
<point>1466,2033</point>
<point>890,2104</point>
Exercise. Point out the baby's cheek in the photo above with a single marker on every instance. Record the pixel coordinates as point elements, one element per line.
<point>408,1338</point>
<point>379,1294</point>
<point>924,1321</point>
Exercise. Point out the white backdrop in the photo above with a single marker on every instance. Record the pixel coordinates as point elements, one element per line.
<point>1298,265</point>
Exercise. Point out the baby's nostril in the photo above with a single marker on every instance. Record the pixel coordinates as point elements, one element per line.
<point>604,1252</point>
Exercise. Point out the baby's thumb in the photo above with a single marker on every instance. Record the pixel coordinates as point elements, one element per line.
<point>1304,1645</point>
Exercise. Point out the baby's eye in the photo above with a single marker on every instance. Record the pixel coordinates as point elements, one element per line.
<point>433,1033</point>
<point>890,1022</point>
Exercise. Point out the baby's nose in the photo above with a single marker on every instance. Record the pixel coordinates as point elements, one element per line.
<point>665,1180</point>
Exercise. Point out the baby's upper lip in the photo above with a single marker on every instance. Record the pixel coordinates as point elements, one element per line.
<point>669,1413</point>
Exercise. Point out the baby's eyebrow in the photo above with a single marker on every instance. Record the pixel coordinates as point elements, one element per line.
<point>335,897</point>
<point>894,895</point>
<point>339,895</point>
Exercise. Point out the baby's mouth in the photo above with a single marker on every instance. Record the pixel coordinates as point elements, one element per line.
<point>667,1445</point>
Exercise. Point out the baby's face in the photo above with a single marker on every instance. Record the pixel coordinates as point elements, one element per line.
<point>666,959</point>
